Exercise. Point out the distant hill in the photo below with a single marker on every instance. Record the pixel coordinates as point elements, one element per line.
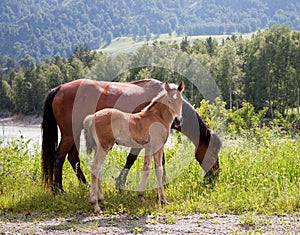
<point>44,28</point>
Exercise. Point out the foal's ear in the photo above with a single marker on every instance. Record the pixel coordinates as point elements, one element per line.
<point>167,87</point>
<point>181,86</point>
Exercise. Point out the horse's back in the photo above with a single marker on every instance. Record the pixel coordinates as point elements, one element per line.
<point>76,99</point>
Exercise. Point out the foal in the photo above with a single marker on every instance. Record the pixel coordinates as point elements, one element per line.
<point>147,129</point>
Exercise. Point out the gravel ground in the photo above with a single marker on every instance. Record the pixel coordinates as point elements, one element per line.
<point>166,224</point>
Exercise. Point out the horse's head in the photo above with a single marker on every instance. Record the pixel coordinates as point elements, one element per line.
<point>207,153</point>
<point>174,100</point>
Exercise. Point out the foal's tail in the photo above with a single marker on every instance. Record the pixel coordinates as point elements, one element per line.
<point>49,139</point>
<point>88,125</point>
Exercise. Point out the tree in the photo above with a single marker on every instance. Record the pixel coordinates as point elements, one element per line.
<point>85,55</point>
<point>5,94</point>
<point>211,45</point>
<point>268,72</point>
<point>184,45</point>
<point>231,75</point>
<point>294,69</point>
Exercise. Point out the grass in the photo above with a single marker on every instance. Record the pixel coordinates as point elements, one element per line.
<point>258,176</point>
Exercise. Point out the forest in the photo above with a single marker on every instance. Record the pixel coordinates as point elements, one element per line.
<point>44,29</point>
<point>263,71</point>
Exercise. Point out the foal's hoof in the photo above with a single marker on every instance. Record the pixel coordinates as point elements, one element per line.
<point>104,202</point>
<point>98,211</point>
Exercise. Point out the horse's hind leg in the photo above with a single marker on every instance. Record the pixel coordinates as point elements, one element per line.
<point>159,174</point>
<point>132,156</point>
<point>145,174</point>
<point>60,156</point>
<point>74,160</point>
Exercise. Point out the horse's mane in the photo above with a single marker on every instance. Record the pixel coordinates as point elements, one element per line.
<point>193,125</point>
<point>204,130</point>
<point>196,130</point>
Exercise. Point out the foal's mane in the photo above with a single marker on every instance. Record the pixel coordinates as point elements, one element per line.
<point>155,100</point>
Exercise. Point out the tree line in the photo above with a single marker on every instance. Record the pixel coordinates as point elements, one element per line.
<point>44,29</point>
<point>263,70</point>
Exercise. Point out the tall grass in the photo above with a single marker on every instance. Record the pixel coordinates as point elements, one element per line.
<point>259,174</point>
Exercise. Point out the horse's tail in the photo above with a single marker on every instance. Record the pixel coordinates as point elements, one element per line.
<point>49,139</point>
<point>88,124</point>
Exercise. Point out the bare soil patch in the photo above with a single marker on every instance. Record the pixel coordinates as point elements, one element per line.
<point>149,224</point>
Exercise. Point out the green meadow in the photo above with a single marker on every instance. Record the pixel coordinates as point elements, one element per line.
<point>127,44</point>
<point>260,174</point>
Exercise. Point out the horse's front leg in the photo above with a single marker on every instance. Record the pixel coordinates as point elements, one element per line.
<point>159,174</point>
<point>145,174</point>
<point>96,189</point>
<point>132,156</point>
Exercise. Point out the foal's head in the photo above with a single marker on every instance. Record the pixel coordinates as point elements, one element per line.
<point>174,99</point>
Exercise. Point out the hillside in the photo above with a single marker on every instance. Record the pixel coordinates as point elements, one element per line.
<point>43,29</point>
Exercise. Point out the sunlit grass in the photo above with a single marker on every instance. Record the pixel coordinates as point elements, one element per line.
<point>127,44</point>
<point>257,176</point>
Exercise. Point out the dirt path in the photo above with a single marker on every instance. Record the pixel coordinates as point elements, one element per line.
<point>130,224</point>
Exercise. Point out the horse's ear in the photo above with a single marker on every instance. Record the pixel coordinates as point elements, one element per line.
<point>167,87</point>
<point>181,86</point>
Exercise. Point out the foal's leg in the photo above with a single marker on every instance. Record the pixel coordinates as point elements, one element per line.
<point>145,174</point>
<point>132,156</point>
<point>159,174</point>
<point>164,177</point>
<point>96,189</point>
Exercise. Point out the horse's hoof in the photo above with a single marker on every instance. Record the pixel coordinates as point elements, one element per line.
<point>121,179</point>
<point>164,202</point>
<point>119,184</point>
<point>57,191</point>
<point>142,200</point>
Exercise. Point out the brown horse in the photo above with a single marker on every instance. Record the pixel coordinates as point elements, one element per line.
<point>148,129</point>
<point>67,105</point>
